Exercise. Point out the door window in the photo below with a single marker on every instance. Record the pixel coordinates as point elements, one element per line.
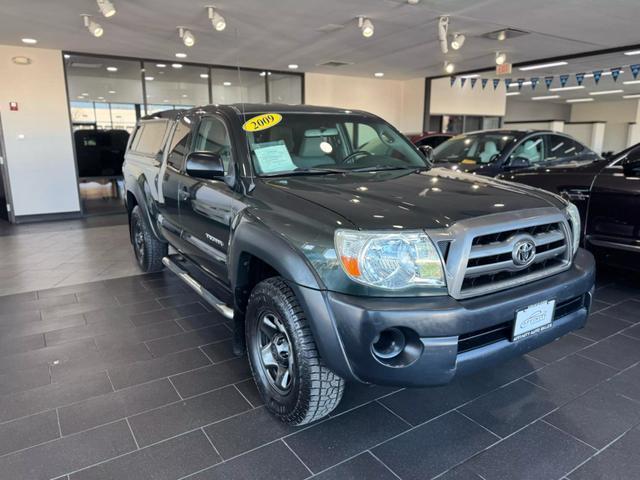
<point>212,136</point>
<point>559,146</point>
<point>532,149</point>
<point>179,145</point>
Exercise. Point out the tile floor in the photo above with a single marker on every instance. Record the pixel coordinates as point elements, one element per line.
<point>134,378</point>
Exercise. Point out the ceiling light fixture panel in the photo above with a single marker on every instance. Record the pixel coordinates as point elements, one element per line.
<point>543,65</point>
<point>606,92</point>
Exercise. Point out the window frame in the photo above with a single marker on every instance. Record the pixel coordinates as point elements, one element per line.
<point>194,131</point>
<point>189,141</point>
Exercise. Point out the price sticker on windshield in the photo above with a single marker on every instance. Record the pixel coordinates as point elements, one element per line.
<point>262,122</point>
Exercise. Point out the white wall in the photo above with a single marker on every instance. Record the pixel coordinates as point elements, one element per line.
<point>520,111</point>
<point>616,114</point>
<point>401,103</point>
<point>553,125</point>
<point>38,136</point>
<point>455,100</point>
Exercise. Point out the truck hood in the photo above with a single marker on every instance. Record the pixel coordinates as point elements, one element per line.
<point>410,199</point>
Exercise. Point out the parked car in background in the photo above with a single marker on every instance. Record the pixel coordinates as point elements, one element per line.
<point>100,153</point>
<point>607,194</point>
<point>492,152</point>
<point>430,139</point>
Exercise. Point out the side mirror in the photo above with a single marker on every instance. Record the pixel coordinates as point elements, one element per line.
<point>205,165</point>
<point>519,162</point>
<point>427,152</point>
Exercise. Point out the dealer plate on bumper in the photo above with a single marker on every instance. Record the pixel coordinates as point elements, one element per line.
<point>533,319</point>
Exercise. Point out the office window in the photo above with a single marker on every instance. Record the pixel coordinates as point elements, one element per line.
<point>285,88</point>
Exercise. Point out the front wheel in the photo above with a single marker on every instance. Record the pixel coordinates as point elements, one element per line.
<point>292,379</point>
<point>148,249</point>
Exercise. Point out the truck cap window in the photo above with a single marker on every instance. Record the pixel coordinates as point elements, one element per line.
<point>319,143</point>
<point>473,148</point>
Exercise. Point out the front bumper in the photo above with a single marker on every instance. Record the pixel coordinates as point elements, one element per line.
<point>346,326</point>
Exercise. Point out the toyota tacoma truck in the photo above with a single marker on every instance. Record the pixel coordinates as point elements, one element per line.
<point>339,254</point>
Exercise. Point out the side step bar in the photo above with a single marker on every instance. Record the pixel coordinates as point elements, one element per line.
<point>199,289</point>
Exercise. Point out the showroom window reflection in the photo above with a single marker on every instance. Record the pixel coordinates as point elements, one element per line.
<point>175,86</point>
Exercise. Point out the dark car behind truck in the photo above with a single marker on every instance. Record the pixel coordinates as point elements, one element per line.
<point>341,255</point>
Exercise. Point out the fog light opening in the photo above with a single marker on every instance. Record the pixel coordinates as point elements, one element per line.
<point>397,347</point>
<point>389,343</point>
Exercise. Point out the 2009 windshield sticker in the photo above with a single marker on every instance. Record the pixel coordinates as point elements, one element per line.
<point>262,122</point>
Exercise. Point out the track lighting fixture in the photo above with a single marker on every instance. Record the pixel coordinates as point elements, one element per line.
<point>94,27</point>
<point>501,57</point>
<point>449,67</point>
<point>458,41</point>
<point>217,20</point>
<point>187,37</point>
<point>366,26</point>
<point>443,29</point>
<point>106,8</point>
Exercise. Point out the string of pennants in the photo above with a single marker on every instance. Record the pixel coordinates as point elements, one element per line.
<point>548,80</point>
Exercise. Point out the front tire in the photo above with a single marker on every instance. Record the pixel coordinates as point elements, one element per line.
<point>148,249</point>
<point>292,379</point>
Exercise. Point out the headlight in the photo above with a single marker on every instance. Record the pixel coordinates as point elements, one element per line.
<point>389,260</point>
<point>576,229</point>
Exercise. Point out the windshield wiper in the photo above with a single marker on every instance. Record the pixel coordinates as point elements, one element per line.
<point>306,171</point>
<point>380,168</point>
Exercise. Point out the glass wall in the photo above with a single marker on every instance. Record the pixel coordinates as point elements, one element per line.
<point>175,86</point>
<point>284,88</point>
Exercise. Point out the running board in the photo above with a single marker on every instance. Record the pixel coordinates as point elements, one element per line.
<point>198,288</point>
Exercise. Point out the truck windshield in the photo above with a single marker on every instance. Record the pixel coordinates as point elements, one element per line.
<point>473,148</point>
<point>305,143</point>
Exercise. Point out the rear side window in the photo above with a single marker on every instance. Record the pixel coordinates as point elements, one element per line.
<point>179,145</point>
<point>150,137</point>
<point>562,147</point>
<point>136,137</point>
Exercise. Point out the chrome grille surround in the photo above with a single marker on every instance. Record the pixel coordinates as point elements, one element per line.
<point>472,255</point>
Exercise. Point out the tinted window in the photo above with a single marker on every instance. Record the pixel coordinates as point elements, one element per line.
<point>632,157</point>
<point>212,136</point>
<point>532,149</point>
<point>563,147</point>
<point>151,137</point>
<point>433,141</point>
<point>179,145</point>
<point>474,148</point>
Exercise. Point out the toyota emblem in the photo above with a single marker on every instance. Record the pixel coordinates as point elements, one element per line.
<point>524,251</point>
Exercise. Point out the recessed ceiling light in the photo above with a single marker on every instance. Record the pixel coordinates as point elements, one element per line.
<point>511,94</point>
<point>165,101</point>
<point>604,74</point>
<point>546,97</point>
<point>632,52</point>
<point>112,69</point>
<point>204,75</point>
<point>112,92</point>
<point>579,100</point>
<point>149,79</point>
<point>635,95</point>
<point>84,94</point>
<point>106,8</point>
<point>543,65</point>
<point>184,95</point>
<point>631,82</point>
<point>515,84</point>
<point>378,74</point>
<point>449,67</point>
<point>161,65</point>
<point>293,66</point>
<point>100,98</point>
<point>606,92</point>
<point>20,60</point>
<point>29,41</point>
<point>564,89</point>
<point>176,65</point>
<point>181,55</point>
<point>227,84</point>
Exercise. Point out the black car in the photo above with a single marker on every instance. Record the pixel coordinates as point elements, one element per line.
<point>607,193</point>
<point>491,152</point>
<point>338,254</point>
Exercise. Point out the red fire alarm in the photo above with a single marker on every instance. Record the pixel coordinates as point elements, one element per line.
<point>13,106</point>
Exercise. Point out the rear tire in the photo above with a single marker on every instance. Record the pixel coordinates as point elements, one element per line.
<point>148,249</point>
<point>293,381</point>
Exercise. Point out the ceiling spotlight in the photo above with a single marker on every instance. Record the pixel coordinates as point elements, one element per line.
<point>378,74</point>
<point>366,26</point>
<point>181,55</point>
<point>501,57</point>
<point>29,41</point>
<point>458,41</point>
<point>443,28</point>
<point>449,67</point>
<point>217,20</point>
<point>187,37</point>
<point>293,66</point>
<point>106,8</point>
<point>112,69</point>
<point>94,27</point>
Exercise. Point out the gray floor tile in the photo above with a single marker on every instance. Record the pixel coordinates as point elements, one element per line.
<point>358,468</point>
<point>180,299</point>
<point>180,417</point>
<point>618,351</point>
<point>186,340</point>
<point>201,320</point>
<point>511,407</point>
<point>434,447</point>
<point>249,391</point>
<point>620,461</point>
<point>562,347</point>
<point>613,294</point>
<point>219,351</point>
<point>138,334</point>
<point>598,417</point>
<point>628,310</point>
<point>356,394</point>
<point>633,332</point>
<point>141,372</point>
<point>537,452</point>
<point>627,383</point>
<point>80,349</point>
<point>36,304</point>
<point>214,376</point>
<point>246,431</point>
<point>11,346</point>
<point>168,460</point>
<point>67,454</point>
<point>329,442</point>
<point>21,380</point>
<point>600,326</point>
<point>116,405</point>
<point>460,473</point>
<point>28,431</point>
<point>22,328</point>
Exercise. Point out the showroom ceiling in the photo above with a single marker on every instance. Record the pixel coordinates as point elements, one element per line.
<point>278,33</point>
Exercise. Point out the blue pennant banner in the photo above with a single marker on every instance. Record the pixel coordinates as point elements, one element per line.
<point>463,80</point>
<point>597,75</point>
<point>635,69</point>
<point>484,82</point>
<point>520,82</point>
<point>579,78</point>
<point>496,82</point>
<point>473,82</point>
<point>548,81</point>
<point>507,82</point>
<point>452,80</point>
<point>534,82</point>
<point>563,80</point>
<point>615,73</point>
